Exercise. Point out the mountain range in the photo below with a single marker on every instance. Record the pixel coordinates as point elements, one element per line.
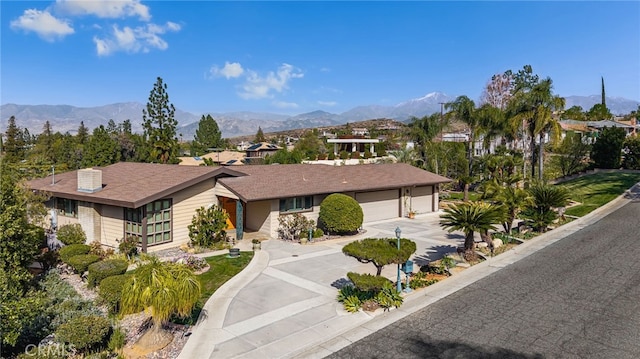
<point>67,118</point>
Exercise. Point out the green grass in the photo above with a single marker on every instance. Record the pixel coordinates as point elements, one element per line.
<point>596,190</point>
<point>221,270</point>
<point>457,196</point>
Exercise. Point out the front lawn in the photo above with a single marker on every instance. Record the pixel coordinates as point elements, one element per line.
<point>596,190</point>
<point>222,268</point>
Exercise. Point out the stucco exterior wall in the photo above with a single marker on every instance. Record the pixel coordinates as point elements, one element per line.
<point>259,216</point>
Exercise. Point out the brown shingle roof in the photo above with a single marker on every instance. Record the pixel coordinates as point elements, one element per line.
<point>281,181</point>
<point>129,184</point>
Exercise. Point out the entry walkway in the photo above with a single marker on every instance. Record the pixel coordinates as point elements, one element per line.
<point>283,305</point>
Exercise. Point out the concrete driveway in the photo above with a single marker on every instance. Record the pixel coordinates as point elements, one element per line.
<point>285,301</point>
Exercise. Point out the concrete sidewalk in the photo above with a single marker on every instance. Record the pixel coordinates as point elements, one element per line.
<point>283,305</point>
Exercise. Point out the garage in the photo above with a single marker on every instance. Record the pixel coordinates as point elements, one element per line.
<point>379,205</point>
<point>422,199</point>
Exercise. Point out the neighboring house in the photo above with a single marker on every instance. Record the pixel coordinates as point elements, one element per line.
<point>220,158</point>
<point>257,152</point>
<point>156,203</point>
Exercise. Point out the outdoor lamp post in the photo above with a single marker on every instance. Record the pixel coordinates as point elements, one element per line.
<point>399,282</point>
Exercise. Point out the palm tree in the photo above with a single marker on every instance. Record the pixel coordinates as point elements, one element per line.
<point>471,217</point>
<point>464,109</point>
<point>540,213</point>
<point>423,130</point>
<point>513,200</point>
<point>162,289</point>
<point>534,106</point>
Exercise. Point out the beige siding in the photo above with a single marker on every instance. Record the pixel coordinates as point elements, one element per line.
<point>259,216</point>
<point>184,208</point>
<point>223,191</point>
<point>422,199</point>
<point>379,205</point>
<point>89,219</point>
<point>112,225</point>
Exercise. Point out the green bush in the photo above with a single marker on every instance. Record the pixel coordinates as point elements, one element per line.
<point>110,291</point>
<point>318,232</point>
<point>331,156</point>
<point>103,269</point>
<point>128,246</point>
<point>73,250</point>
<point>117,340</point>
<point>340,214</point>
<point>367,154</point>
<point>71,234</point>
<point>368,282</point>
<point>81,262</point>
<point>208,226</point>
<point>293,226</point>
<point>84,333</point>
<point>344,155</point>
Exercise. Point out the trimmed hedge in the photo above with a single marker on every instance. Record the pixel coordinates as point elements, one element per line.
<point>110,291</point>
<point>340,214</point>
<point>73,250</point>
<point>84,333</point>
<point>81,262</point>
<point>71,234</point>
<point>103,269</point>
<point>368,282</point>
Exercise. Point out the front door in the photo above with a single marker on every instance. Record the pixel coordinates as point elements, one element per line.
<point>229,205</point>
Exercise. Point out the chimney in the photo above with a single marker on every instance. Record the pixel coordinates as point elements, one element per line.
<point>89,180</point>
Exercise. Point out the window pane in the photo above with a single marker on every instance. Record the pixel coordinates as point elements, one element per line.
<point>128,226</point>
<point>165,204</point>
<point>167,236</point>
<point>167,215</point>
<point>308,202</point>
<point>149,207</point>
<point>157,205</point>
<point>158,227</point>
<point>167,226</point>
<point>149,228</point>
<point>158,237</point>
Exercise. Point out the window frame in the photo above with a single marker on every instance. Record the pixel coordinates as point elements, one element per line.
<point>306,204</point>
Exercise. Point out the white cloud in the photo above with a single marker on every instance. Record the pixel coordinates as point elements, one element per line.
<point>325,69</point>
<point>133,40</point>
<point>42,23</point>
<point>282,104</point>
<point>230,70</point>
<point>257,86</point>
<point>327,103</point>
<point>110,9</point>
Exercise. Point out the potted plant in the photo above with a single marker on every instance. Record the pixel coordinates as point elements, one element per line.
<point>256,244</point>
<point>411,214</point>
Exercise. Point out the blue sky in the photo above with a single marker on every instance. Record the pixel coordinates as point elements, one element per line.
<point>296,57</point>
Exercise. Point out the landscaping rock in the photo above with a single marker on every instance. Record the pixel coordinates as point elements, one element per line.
<point>497,243</point>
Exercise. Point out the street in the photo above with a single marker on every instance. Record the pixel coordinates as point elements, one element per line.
<point>577,298</point>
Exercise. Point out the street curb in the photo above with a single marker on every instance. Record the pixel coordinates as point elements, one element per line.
<point>440,290</point>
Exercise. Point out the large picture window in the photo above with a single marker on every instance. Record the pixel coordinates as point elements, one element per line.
<point>296,204</point>
<point>158,222</point>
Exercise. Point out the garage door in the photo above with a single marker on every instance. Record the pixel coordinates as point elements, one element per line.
<point>422,199</point>
<point>379,205</point>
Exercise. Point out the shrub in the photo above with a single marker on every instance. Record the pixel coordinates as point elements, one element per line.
<point>117,340</point>
<point>388,297</point>
<point>72,250</point>
<point>110,291</point>
<point>84,333</point>
<point>355,155</point>
<point>318,232</point>
<point>340,214</point>
<point>81,262</point>
<point>331,156</point>
<point>96,248</point>
<point>103,269</point>
<point>71,234</point>
<point>208,226</point>
<point>292,226</point>
<point>128,246</point>
<point>420,280</point>
<point>367,282</point>
<point>367,154</point>
<point>344,155</point>
<point>193,262</point>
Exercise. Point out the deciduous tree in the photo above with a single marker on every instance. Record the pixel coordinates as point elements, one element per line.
<point>607,150</point>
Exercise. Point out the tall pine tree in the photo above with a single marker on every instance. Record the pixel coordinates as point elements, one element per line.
<point>207,136</point>
<point>13,146</point>
<point>159,124</point>
<point>604,101</point>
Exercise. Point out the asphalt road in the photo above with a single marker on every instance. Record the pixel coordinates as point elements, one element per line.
<point>577,298</point>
